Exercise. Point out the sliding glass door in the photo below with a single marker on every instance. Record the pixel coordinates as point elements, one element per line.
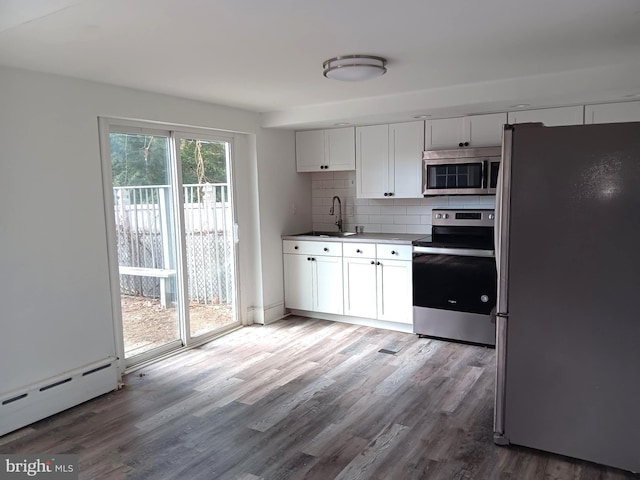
<point>208,228</point>
<point>173,233</point>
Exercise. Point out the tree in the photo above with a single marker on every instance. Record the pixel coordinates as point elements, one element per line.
<point>139,160</point>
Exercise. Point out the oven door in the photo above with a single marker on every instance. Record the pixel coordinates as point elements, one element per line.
<point>463,176</point>
<point>454,279</point>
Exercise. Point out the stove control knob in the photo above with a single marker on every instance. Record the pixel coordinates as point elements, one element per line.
<point>445,215</point>
<point>491,216</point>
<point>438,216</point>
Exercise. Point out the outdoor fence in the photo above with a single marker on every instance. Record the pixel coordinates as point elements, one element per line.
<point>144,228</point>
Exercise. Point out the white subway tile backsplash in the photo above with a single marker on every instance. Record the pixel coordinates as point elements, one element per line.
<point>407,201</point>
<point>421,210</point>
<point>371,227</point>
<point>393,210</point>
<point>341,175</point>
<point>426,229</point>
<point>381,219</point>
<point>406,219</point>
<point>319,210</point>
<point>324,227</point>
<point>399,215</point>
<point>393,229</point>
<point>438,202</point>
<point>369,210</point>
<point>361,219</point>
<point>321,175</point>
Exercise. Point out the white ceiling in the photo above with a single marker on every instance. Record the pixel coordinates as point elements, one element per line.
<point>445,57</point>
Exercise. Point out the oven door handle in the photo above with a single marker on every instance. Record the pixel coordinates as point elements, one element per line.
<point>460,252</point>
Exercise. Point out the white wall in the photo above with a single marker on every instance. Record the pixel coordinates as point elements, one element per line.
<point>387,215</point>
<point>285,205</point>
<point>55,307</point>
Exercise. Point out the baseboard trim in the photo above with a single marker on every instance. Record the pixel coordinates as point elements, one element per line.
<point>266,315</point>
<point>367,322</point>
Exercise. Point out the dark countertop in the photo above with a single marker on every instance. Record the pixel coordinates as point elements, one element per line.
<point>394,238</point>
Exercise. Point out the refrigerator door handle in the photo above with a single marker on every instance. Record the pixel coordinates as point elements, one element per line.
<point>503,193</point>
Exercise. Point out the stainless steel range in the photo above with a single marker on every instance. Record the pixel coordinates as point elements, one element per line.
<point>454,277</point>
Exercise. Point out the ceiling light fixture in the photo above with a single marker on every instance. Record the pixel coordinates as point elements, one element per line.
<point>418,117</point>
<point>520,105</point>
<point>354,68</point>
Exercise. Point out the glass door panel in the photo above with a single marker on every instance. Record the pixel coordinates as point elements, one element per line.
<point>145,234</point>
<point>209,240</point>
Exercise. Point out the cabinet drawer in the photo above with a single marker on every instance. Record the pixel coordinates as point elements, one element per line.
<point>394,252</point>
<point>364,250</point>
<point>333,249</point>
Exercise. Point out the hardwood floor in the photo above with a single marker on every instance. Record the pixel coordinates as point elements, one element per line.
<point>301,399</point>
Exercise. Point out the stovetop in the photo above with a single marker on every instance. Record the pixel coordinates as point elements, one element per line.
<point>451,241</point>
<point>464,228</point>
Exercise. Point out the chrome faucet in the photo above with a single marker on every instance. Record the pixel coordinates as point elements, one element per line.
<point>339,214</point>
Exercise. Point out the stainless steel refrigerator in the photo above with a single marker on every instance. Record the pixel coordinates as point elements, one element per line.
<point>568,311</point>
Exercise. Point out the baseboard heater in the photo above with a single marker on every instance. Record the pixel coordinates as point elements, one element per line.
<point>29,404</point>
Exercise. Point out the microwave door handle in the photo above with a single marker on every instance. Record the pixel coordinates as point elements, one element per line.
<point>485,174</point>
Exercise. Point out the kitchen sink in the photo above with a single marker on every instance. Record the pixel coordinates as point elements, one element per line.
<point>326,234</point>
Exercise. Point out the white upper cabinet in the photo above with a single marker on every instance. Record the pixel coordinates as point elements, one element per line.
<point>485,130</point>
<point>550,117</point>
<point>444,133</point>
<point>470,131</point>
<point>310,151</point>
<point>389,159</point>
<point>323,150</point>
<point>612,113</point>
<point>406,144</point>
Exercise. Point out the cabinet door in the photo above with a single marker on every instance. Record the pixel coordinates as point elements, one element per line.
<point>372,161</point>
<point>612,113</point>
<point>550,116</point>
<point>310,151</point>
<point>327,284</point>
<point>340,148</point>
<point>485,130</point>
<point>298,288</point>
<point>444,133</point>
<point>406,144</point>
<point>360,287</point>
<point>394,291</point>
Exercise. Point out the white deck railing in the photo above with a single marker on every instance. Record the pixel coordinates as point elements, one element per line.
<point>144,225</point>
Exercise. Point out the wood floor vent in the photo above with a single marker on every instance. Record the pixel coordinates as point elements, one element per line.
<point>384,350</point>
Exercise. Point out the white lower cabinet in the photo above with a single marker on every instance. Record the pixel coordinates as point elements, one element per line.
<point>327,284</point>
<point>313,276</point>
<point>378,286</point>
<point>360,290</point>
<point>394,291</point>
<point>298,282</point>
<point>364,280</point>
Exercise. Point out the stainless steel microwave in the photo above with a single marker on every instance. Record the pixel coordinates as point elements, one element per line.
<point>463,171</point>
